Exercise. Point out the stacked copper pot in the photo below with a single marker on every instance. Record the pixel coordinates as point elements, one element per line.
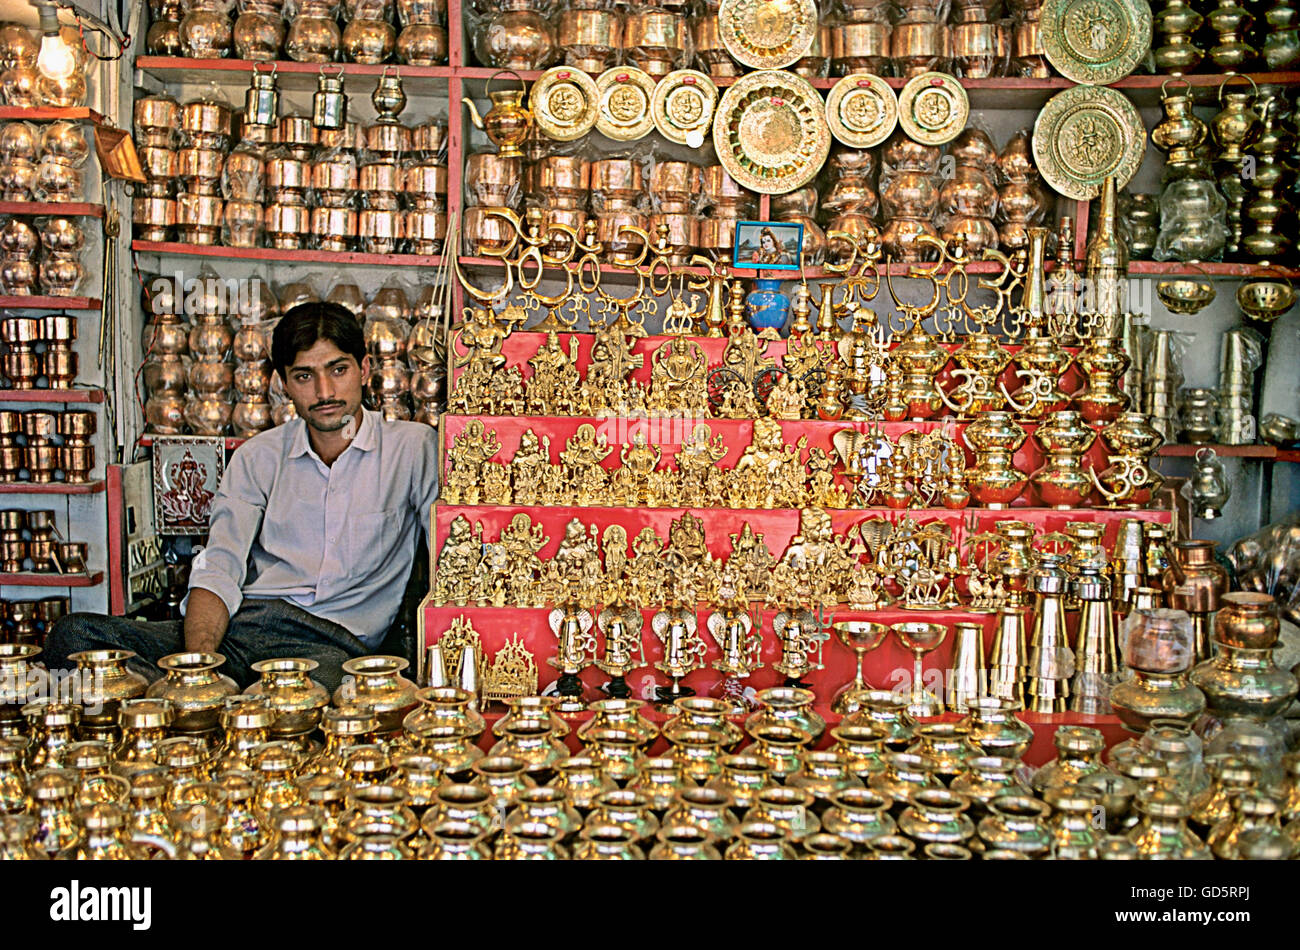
<point>334,179</point>
<point>617,195</point>
<point>24,86</point>
<point>1028,55</point>
<point>427,356</point>
<point>725,205</point>
<point>849,201</point>
<point>493,182</point>
<point>211,375</point>
<point>205,136</point>
<point>968,199</point>
<point>387,328</point>
<point>861,38</point>
<point>20,145</point>
<point>34,446</point>
<point>39,346</point>
<point>674,197</point>
<point>205,29</point>
<point>560,186</point>
<point>164,36</point>
<point>259,30</point>
<point>166,358</point>
<point>423,39</point>
<point>798,207</point>
<point>1023,200</point>
<point>908,197</point>
<point>153,208</point>
<point>243,182</point>
<point>252,379</point>
<point>42,164</point>
<point>27,621</point>
<point>288,175</point>
<point>19,243</point>
<point>62,242</point>
<point>425,188</point>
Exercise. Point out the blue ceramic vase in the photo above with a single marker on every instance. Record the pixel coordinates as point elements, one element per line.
<point>767,307</point>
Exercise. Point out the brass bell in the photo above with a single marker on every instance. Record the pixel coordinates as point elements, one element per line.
<point>389,99</point>
<point>262,101</point>
<point>329,105</point>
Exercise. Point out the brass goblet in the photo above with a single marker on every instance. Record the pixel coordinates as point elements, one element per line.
<point>921,638</point>
<point>860,636</point>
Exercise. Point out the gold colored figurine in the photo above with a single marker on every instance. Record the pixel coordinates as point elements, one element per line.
<point>531,459</point>
<point>624,650</point>
<point>678,380</point>
<point>513,673</point>
<point>576,651</point>
<point>469,450</point>
<point>460,635</point>
<point>801,640</point>
<point>738,638</point>
<point>684,651</point>
<point>457,562</point>
<point>583,454</point>
<point>554,385</point>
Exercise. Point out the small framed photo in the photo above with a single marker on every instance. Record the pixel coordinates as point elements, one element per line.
<point>186,473</point>
<point>767,245</point>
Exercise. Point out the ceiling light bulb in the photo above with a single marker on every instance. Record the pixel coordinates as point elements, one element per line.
<point>56,59</point>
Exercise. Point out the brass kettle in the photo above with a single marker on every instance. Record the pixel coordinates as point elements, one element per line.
<point>508,122</point>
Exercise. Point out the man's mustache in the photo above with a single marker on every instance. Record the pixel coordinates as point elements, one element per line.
<point>327,405</point>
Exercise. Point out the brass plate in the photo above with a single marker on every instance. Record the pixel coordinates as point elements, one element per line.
<point>623,96</point>
<point>767,34</point>
<point>1085,134</point>
<point>862,110</point>
<point>683,105</point>
<point>933,108</point>
<point>1096,41</point>
<point>564,103</point>
<point>770,132</point>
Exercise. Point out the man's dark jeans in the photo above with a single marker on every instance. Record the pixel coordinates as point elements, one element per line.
<point>260,629</point>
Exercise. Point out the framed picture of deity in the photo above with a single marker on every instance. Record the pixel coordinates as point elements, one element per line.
<point>767,245</point>
<point>186,473</point>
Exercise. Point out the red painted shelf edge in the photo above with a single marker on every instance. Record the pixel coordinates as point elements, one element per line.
<point>34,302</point>
<point>69,208</point>
<point>1209,269</point>
<point>49,114</point>
<point>276,254</point>
<point>179,63</point>
<point>52,395</point>
<point>30,579</point>
<point>1225,451</point>
<point>51,488</point>
<point>231,442</point>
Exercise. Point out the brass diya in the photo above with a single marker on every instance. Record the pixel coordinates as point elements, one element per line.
<point>1265,299</point>
<point>1185,296</point>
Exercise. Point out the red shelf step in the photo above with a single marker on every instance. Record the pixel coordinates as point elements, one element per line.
<point>48,114</point>
<point>32,579</point>
<point>1210,269</point>
<point>51,488</point>
<point>35,302</point>
<point>1237,451</point>
<point>275,254</point>
<point>231,443</point>
<point>181,63</point>
<point>52,395</point>
<point>67,208</point>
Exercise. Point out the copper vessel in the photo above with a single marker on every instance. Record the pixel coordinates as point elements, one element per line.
<point>861,47</point>
<point>590,38</point>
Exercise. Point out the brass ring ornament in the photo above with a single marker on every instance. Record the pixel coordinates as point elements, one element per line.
<point>933,108</point>
<point>770,132</point>
<point>683,105</point>
<point>767,34</point>
<point>623,97</point>
<point>1095,41</point>
<point>1084,135</point>
<point>862,110</point>
<point>564,103</point>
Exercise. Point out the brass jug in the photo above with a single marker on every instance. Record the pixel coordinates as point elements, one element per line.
<point>508,122</point>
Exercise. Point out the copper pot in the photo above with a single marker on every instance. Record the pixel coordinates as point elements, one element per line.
<point>721,187</point>
<point>157,119</point>
<point>429,138</point>
<point>249,417</point>
<point>675,184</point>
<point>616,178</point>
<point>18,277</point>
<point>259,34</point>
<point>19,140</point>
<point>198,218</point>
<point>17,178</point>
<point>900,238</point>
<point>208,415</point>
<point>158,162</point>
<point>333,228</point>
<point>709,48</point>
<point>61,274</point>
<point>978,49</point>
<point>209,376</point>
<point>369,41</point>
<point>425,185</point>
<point>77,427</point>
<point>681,234</point>
<point>490,179</point>
<point>716,234</point>
<point>164,414</point>
<point>165,375</point>
<point>206,123</point>
<point>590,38</point>
<point>67,93</point>
<point>334,178</point>
<point>421,11</point>
<point>167,336</point>
<point>153,218</point>
<point>484,232</point>
<point>18,86</point>
<point>388,139</point>
<point>296,131</point>
<point>313,36</point>
<point>61,235</point>
<point>76,462</point>
<point>41,461</point>
<point>243,224</point>
<point>253,379</point>
<point>558,246</point>
<point>425,231</point>
<point>286,174</point>
<point>60,367</point>
<point>381,176</point>
<point>516,39</point>
<point>423,44</point>
<point>22,367</point>
<point>200,168</point>
<point>861,47</point>
<point>608,225</point>
<point>978,233</point>
<point>380,231</point>
<point>243,174</point>
<point>654,39</point>
<point>57,182</point>
<point>563,176</point>
<point>1028,50</point>
<point>286,225</point>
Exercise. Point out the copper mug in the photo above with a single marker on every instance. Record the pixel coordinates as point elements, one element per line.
<point>425,185</point>
<point>675,184</point>
<point>198,218</point>
<point>72,556</point>
<point>616,178</point>
<point>333,228</point>
<point>429,139</point>
<point>915,47</point>
<point>564,180</point>
<point>978,49</point>
<point>286,224</point>
<point>380,231</point>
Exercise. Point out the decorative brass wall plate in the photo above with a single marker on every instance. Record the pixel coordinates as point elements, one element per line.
<point>623,97</point>
<point>770,132</point>
<point>933,108</point>
<point>564,103</point>
<point>1085,134</point>
<point>767,34</point>
<point>1096,41</point>
<point>683,106</point>
<point>862,110</point>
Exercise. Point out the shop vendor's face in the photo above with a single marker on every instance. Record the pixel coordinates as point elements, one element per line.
<point>325,386</point>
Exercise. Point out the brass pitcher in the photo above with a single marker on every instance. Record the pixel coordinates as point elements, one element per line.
<point>508,122</point>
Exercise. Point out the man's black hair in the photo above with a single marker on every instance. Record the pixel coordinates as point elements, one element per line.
<point>306,325</point>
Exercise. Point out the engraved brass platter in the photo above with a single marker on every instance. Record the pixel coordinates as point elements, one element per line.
<point>767,34</point>
<point>564,103</point>
<point>770,132</point>
<point>1096,41</point>
<point>862,110</point>
<point>1085,134</point>
<point>683,106</point>
<point>933,108</point>
<point>623,96</point>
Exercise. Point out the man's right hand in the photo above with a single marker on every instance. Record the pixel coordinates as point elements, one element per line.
<point>206,620</point>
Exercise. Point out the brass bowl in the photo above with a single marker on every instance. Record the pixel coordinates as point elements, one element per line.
<point>1265,300</point>
<point>1185,296</point>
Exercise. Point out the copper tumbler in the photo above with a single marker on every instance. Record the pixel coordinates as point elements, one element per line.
<point>485,233</point>
<point>590,38</point>
<point>13,555</point>
<point>77,462</point>
<point>40,427</point>
<point>861,47</point>
<point>425,231</point>
<point>153,218</point>
<point>710,50</point>
<point>24,614</point>
<point>286,225</point>
<point>42,461</point>
<point>72,556</point>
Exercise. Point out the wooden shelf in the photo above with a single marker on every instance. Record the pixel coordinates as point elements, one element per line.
<point>76,209</point>
<point>553,271</point>
<point>1210,269</point>
<point>52,395</point>
<point>231,443</point>
<point>171,248</point>
<point>51,488</point>
<point>50,115</point>
<point>175,64</point>
<point>1225,451</point>
<point>33,579</point>
<point>35,302</point>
